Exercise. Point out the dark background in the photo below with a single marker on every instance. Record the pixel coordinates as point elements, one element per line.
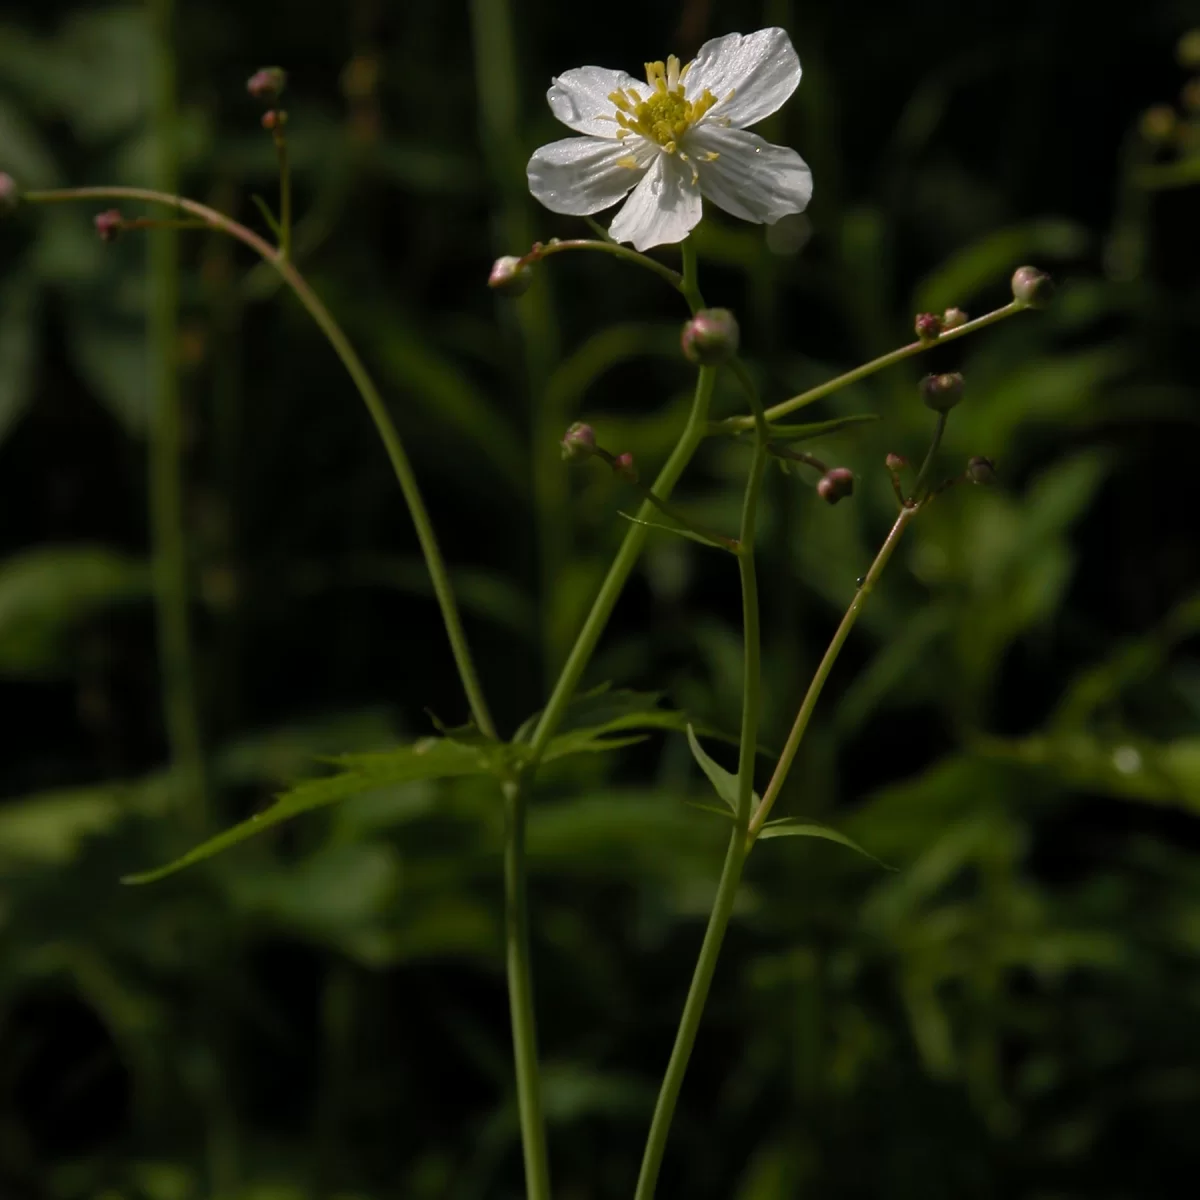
<point>1015,1012</point>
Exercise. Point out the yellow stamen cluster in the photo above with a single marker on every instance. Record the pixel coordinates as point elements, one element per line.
<point>668,114</point>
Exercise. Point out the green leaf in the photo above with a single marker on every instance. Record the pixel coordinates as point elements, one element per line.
<point>798,827</point>
<point>725,783</point>
<point>816,429</point>
<point>45,591</point>
<point>596,738</point>
<point>679,531</point>
<point>430,758</point>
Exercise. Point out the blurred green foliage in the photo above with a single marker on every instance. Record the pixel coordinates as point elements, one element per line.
<point>319,1012</point>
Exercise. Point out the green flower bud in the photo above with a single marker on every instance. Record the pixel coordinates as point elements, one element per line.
<point>711,337</point>
<point>836,485</point>
<point>980,469</point>
<point>1032,287</point>
<point>579,441</point>
<point>942,392</point>
<point>1158,125</point>
<point>1188,50</point>
<point>511,276</point>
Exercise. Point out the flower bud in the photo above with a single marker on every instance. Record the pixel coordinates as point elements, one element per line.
<point>1188,50</point>
<point>274,119</point>
<point>942,392</point>
<point>711,337</point>
<point>895,462</point>
<point>1032,287</point>
<point>928,326</point>
<point>511,276</point>
<point>980,469</point>
<point>10,195</point>
<point>108,224</point>
<point>1158,125</point>
<point>836,484</point>
<point>267,83</point>
<point>954,318</point>
<point>623,466</point>
<point>579,441</point>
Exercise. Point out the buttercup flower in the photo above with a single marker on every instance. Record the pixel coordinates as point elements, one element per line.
<point>677,137</point>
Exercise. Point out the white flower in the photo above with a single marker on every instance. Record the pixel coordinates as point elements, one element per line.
<point>675,138</point>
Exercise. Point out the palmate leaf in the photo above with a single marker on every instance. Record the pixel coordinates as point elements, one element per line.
<point>429,758</point>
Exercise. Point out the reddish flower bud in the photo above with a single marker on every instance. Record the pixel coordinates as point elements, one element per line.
<point>836,485</point>
<point>954,318</point>
<point>579,441</point>
<point>980,469</point>
<point>510,276</point>
<point>623,466</point>
<point>942,392</point>
<point>108,224</point>
<point>267,83</point>
<point>10,194</point>
<point>895,462</point>
<point>1032,287</point>
<point>928,326</point>
<point>711,337</point>
<point>274,119</point>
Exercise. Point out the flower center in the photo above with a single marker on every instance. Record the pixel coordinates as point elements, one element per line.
<point>668,114</point>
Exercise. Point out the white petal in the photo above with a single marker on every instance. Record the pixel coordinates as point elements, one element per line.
<point>761,69</point>
<point>580,99</point>
<point>749,178</point>
<point>583,175</point>
<point>665,207</point>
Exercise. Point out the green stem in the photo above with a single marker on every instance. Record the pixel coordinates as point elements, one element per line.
<point>737,424</point>
<point>693,1010</point>
<point>366,389</point>
<point>176,661</point>
<point>285,197</point>
<point>735,854</point>
<point>818,680</point>
<point>561,246</point>
<point>938,430</point>
<point>520,995</point>
<point>622,565</point>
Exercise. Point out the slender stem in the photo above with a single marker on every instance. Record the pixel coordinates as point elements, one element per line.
<point>285,196</point>
<point>166,492</point>
<point>735,854</point>
<point>366,389</point>
<point>693,1010</point>
<point>737,424</point>
<point>622,565</point>
<point>520,995</point>
<point>689,283</point>
<point>938,430</point>
<point>822,674</point>
<point>561,246</point>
